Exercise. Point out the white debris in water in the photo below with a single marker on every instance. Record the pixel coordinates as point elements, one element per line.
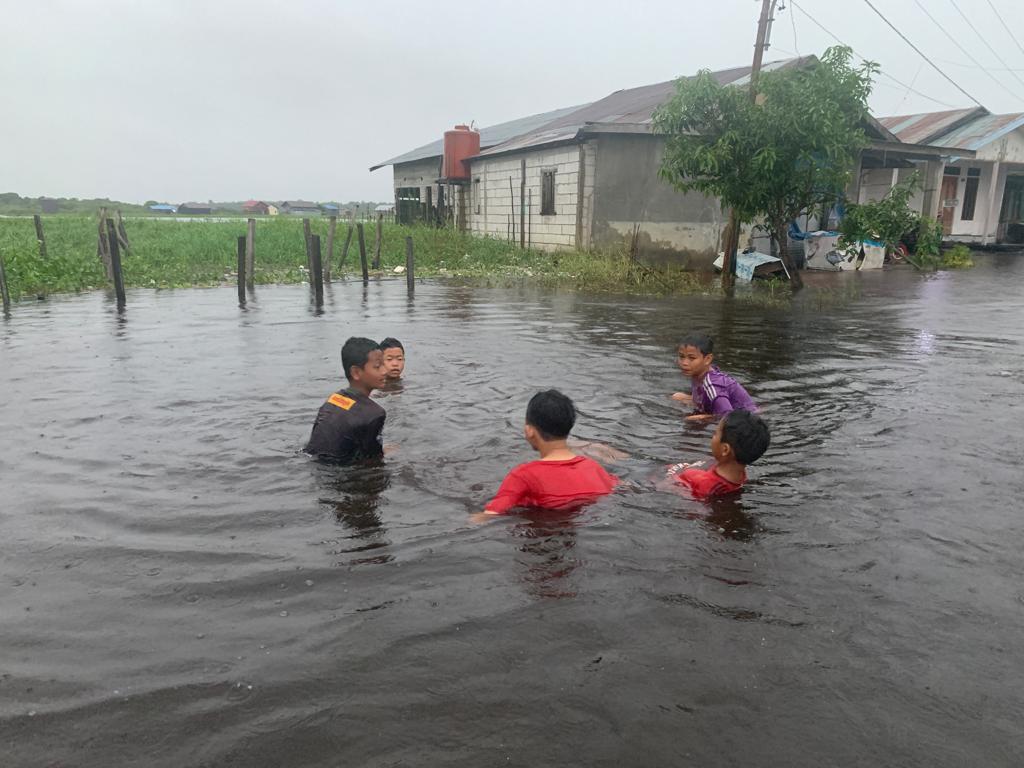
<point>283,613</point>
<point>399,270</point>
<point>309,582</point>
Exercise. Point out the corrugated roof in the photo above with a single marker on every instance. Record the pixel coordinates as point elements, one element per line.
<point>926,126</point>
<point>630,106</point>
<point>981,131</point>
<point>494,134</point>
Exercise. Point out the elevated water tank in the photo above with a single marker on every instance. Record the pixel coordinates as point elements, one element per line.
<point>459,144</point>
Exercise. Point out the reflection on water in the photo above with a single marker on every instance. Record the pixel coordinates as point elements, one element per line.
<point>183,587</point>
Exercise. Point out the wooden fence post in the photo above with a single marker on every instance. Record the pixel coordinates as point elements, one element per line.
<point>122,233</point>
<point>318,269</point>
<point>40,236</point>
<point>380,237</point>
<point>115,264</point>
<point>241,269</point>
<point>331,227</point>
<point>250,254</point>
<point>3,287</point>
<point>344,251</point>
<point>409,266</point>
<point>308,235</point>
<point>430,206</point>
<point>103,246</point>
<point>362,252</point>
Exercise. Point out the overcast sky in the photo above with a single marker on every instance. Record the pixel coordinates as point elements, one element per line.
<point>216,99</point>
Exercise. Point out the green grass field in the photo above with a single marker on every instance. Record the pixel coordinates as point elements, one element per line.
<point>172,254</point>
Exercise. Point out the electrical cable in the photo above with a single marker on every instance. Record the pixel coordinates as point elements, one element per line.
<point>921,54</point>
<point>792,21</point>
<point>986,42</point>
<point>882,72</point>
<point>1005,26</point>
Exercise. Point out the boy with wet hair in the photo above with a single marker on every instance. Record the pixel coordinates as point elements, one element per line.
<point>394,358</point>
<point>712,392</point>
<point>741,438</point>
<point>559,479</point>
<point>348,426</point>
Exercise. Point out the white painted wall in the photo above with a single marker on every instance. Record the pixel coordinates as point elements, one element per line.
<point>496,203</point>
<point>1007,149</point>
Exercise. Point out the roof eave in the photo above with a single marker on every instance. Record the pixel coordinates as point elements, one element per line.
<point>920,150</point>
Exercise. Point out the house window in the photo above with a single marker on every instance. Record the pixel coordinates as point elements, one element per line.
<point>547,193</point>
<point>951,170</point>
<point>476,196</point>
<point>970,194</point>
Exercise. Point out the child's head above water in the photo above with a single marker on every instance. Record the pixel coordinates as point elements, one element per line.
<point>695,354</point>
<point>394,358</point>
<point>742,437</point>
<point>550,416</point>
<point>363,363</point>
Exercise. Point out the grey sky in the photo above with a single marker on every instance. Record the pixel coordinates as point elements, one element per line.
<point>231,100</point>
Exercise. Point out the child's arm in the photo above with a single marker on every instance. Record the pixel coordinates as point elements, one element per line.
<point>701,418</point>
<point>682,397</point>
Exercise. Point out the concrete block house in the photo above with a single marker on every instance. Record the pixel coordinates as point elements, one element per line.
<point>591,179</point>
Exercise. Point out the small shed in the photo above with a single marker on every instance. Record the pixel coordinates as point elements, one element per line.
<point>195,208</point>
<point>162,208</point>
<point>299,207</point>
<point>256,206</point>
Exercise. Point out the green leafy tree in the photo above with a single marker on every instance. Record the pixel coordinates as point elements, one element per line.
<point>775,156</point>
<point>886,220</point>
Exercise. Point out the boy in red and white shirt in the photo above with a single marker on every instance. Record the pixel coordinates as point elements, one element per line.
<point>560,479</point>
<point>740,439</point>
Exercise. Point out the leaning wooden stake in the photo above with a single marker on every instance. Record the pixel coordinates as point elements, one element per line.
<point>40,236</point>
<point>115,264</point>
<point>362,252</point>
<point>250,255</point>
<point>331,227</point>
<point>409,266</point>
<point>3,287</point>
<point>103,246</point>
<point>307,233</point>
<point>122,233</point>
<point>241,270</point>
<point>344,251</point>
<point>318,270</point>
<point>380,237</point>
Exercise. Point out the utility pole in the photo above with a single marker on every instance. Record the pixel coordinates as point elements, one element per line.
<point>732,235</point>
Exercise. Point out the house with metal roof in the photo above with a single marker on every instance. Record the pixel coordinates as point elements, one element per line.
<point>981,197</point>
<point>588,177</point>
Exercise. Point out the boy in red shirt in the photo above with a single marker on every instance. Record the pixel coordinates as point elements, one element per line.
<point>560,478</point>
<point>741,438</point>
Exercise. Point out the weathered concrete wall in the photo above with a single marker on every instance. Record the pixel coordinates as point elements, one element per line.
<point>492,202</point>
<point>684,229</point>
<point>421,174</point>
<point>1006,149</point>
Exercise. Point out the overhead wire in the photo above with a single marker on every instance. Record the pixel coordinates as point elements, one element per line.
<point>1006,26</point>
<point>921,53</point>
<point>986,42</point>
<point>792,21</point>
<point>882,72</point>
<point>965,52</point>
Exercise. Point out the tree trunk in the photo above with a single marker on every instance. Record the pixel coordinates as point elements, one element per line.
<point>782,241</point>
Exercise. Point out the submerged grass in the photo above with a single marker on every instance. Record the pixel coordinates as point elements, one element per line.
<point>169,253</point>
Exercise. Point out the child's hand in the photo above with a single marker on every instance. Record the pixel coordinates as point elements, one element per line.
<point>682,397</point>
<point>481,517</point>
<point>701,418</point>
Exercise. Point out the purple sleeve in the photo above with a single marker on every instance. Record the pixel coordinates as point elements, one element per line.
<point>721,405</point>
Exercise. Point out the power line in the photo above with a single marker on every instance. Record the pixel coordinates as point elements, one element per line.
<point>921,54</point>
<point>964,50</point>
<point>1005,26</point>
<point>792,21</point>
<point>920,66</point>
<point>986,42</point>
<point>972,66</point>
<point>882,72</point>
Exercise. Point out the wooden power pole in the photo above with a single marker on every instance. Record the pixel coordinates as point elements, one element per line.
<point>732,234</point>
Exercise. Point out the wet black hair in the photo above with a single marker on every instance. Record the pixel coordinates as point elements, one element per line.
<point>747,434</point>
<point>551,413</point>
<point>356,351</point>
<point>701,341</point>
<point>390,342</point>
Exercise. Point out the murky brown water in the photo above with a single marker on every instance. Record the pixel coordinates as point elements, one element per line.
<point>180,587</point>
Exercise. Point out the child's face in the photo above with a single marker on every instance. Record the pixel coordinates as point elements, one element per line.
<point>394,363</point>
<point>692,362</point>
<point>719,449</point>
<point>373,374</point>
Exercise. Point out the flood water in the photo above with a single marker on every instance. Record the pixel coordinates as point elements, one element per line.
<point>180,586</point>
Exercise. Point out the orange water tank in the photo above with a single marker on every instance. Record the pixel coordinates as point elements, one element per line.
<point>461,143</point>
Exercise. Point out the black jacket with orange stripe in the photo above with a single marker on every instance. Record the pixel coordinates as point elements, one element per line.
<point>348,428</point>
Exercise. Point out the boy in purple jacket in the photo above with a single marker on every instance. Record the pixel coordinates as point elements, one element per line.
<point>712,392</point>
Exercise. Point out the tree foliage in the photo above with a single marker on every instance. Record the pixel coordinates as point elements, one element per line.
<point>790,149</point>
<point>886,220</point>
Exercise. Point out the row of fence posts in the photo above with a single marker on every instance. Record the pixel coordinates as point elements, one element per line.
<point>112,237</point>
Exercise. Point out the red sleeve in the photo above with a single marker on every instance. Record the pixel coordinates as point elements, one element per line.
<point>701,482</point>
<point>513,492</point>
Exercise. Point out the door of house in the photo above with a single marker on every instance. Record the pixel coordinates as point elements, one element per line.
<point>948,201</point>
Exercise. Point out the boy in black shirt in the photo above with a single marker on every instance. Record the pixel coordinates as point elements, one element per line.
<point>348,426</point>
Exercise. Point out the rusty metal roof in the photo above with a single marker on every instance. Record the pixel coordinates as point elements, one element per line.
<point>924,127</point>
<point>981,131</point>
<point>632,106</point>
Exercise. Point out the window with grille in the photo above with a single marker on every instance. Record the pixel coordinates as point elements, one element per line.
<point>970,194</point>
<point>476,194</point>
<point>547,193</point>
